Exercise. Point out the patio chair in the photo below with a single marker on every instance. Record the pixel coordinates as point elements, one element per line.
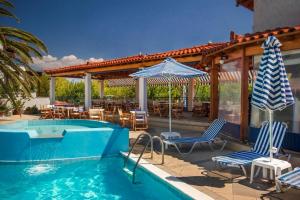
<point>59,113</point>
<point>109,115</point>
<point>124,117</point>
<point>164,109</point>
<point>46,113</point>
<point>139,120</point>
<point>83,114</point>
<point>177,111</point>
<point>208,136</point>
<point>75,114</point>
<point>241,159</point>
<point>95,114</point>
<point>290,179</point>
<point>156,109</point>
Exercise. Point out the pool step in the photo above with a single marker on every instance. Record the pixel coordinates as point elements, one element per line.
<point>150,141</point>
<point>127,171</point>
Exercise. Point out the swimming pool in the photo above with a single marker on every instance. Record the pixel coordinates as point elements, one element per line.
<point>72,139</point>
<point>82,162</point>
<point>88,179</point>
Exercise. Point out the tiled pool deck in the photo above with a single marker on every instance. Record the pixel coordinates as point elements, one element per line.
<point>200,172</point>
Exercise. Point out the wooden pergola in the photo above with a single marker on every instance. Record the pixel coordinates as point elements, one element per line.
<point>249,4</point>
<point>244,48</point>
<point>207,57</point>
<point>120,68</point>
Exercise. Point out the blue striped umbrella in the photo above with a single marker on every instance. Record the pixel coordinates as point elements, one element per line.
<point>169,69</point>
<point>272,90</point>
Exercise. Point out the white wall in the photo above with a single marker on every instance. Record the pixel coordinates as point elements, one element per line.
<point>270,14</point>
<point>38,101</point>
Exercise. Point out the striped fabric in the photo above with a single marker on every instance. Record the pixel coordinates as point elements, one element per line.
<point>202,80</point>
<point>262,143</point>
<point>169,68</point>
<point>291,178</point>
<point>209,135</point>
<point>260,149</point>
<point>272,89</point>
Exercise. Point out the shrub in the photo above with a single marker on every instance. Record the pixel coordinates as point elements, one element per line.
<point>32,110</point>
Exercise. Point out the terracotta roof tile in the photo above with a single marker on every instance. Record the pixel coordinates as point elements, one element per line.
<point>234,38</point>
<point>246,3</point>
<point>196,50</point>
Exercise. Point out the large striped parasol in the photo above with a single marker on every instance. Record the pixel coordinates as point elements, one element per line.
<point>169,68</point>
<point>272,90</point>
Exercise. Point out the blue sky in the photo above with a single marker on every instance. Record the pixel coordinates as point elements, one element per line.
<point>115,28</point>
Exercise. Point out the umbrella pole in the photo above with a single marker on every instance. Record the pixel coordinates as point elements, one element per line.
<point>170,106</point>
<point>271,133</point>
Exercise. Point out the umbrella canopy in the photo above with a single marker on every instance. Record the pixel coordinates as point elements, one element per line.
<point>169,68</point>
<point>272,90</point>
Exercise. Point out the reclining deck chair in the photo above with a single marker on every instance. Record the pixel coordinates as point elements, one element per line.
<point>241,159</point>
<point>207,137</point>
<point>290,179</point>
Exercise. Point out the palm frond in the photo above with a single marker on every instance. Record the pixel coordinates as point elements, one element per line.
<point>18,48</point>
<point>6,13</point>
<point>15,33</point>
<point>6,4</point>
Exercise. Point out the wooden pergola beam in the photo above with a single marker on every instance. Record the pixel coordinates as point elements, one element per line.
<point>214,91</point>
<point>253,48</point>
<point>244,95</point>
<point>116,68</point>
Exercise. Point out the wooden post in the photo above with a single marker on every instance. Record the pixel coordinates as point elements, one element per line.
<point>101,89</point>
<point>87,91</point>
<point>137,96</point>
<point>214,91</point>
<point>191,94</point>
<point>52,90</point>
<point>245,61</point>
<point>143,93</point>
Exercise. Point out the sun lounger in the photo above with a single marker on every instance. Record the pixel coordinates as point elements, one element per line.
<point>290,179</point>
<point>261,148</point>
<point>207,137</point>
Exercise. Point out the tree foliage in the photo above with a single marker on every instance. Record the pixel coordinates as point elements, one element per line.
<point>17,47</point>
<point>72,90</point>
<point>43,86</point>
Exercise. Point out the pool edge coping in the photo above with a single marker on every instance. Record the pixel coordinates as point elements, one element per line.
<point>170,179</point>
<point>33,134</point>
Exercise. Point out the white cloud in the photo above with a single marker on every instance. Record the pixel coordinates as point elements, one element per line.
<point>95,60</point>
<point>50,61</point>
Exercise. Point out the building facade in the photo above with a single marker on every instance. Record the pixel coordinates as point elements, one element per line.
<point>270,14</point>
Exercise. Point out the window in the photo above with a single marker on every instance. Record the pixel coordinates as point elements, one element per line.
<point>230,91</point>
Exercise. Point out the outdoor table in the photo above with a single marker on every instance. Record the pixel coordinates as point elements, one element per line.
<point>277,165</point>
<point>68,110</point>
<point>169,136</point>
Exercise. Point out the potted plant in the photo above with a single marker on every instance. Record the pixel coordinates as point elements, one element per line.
<point>18,107</point>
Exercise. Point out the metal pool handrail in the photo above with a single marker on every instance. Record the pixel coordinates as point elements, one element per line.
<point>162,148</point>
<point>150,141</point>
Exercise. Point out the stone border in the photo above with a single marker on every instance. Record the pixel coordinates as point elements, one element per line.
<point>169,179</point>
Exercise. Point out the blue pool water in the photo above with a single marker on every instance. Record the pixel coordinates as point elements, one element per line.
<point>89,179</point>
